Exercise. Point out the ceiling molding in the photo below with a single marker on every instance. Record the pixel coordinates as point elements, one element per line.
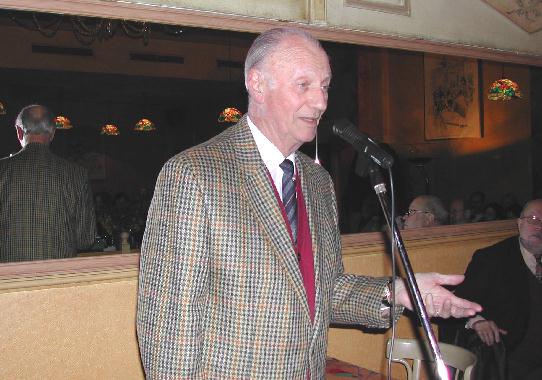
<point>217,20</point>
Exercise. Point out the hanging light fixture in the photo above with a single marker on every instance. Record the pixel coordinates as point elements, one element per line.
<point>110,130</point>
<point>503,89</point>
<point>89,29</point>
<point>3,109</point>
<point>144,125</point>
<point>229,115</point>
<point>62,122</point>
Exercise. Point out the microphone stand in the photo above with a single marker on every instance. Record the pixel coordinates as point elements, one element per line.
<point>379,186</point>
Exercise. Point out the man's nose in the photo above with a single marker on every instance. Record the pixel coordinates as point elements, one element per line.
<point>319,98</point>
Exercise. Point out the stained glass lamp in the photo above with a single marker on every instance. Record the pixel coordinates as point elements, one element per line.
<point>504,89</point>
<point>229,115</point>
<point>110,130</point>
<point>144,125</point>
<point>62,122</point>
<point>3,109</point>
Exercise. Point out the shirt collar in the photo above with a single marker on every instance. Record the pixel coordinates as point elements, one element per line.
<point>271,155</point>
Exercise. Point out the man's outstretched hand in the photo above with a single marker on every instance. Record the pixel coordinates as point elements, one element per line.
<point>439,301</point>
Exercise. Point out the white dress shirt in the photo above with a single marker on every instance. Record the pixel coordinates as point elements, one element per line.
<point>271,155</point>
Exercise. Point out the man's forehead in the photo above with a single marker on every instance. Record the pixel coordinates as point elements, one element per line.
<point>533,208</point>
<point>293,46</point>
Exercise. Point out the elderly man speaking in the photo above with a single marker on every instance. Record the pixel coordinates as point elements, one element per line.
<point>241,270</point>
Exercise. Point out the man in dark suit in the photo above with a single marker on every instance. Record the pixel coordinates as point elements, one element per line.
<point>506,280</point>
<point>46,207</point>
<point>241,270</point>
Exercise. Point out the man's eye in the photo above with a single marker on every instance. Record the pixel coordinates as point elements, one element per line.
<point>325,87</point>
<point>303,85</point>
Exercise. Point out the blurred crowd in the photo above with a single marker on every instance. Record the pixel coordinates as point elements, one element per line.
<point>117,213</point>
<point>430,210</point>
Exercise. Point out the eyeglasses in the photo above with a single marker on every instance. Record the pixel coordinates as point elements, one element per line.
<point>532,220</point>
<point>413,211</point>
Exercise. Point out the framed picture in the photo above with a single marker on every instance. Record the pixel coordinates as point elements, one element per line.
<point>526,14</point>
<point>401,7</point>
<point>452,100</point>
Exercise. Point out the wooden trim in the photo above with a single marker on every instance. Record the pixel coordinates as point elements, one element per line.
<point>366,242</point>
<point>65,272</point>
<point>216,20</point>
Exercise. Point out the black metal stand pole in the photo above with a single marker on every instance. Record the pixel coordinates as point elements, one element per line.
<point>380,190</point>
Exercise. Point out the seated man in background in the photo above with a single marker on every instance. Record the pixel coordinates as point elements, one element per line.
<point>457,211</point>
<point>46,207</point>
<point>425,211</point>
<point>475,210</point>
<point>506,279</point>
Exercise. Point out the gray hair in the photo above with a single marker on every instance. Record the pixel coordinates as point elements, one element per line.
<point>267,42</point>
<point>36,119</point>
<point>434,205</point>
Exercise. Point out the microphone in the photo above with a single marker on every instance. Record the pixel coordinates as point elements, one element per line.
<point>362,143</point>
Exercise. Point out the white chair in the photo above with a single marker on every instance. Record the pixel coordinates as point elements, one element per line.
<point>410,353</point>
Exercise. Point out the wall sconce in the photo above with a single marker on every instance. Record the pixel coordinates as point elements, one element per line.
<point>110,130</point>
<point>503,89</point>
<point>144,125</point>
<point>62,122</point>
<point>229,115</point>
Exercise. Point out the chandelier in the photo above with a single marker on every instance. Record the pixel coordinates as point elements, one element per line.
<point>89,29</point>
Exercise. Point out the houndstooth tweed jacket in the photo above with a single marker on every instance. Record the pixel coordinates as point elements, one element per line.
<point>46,206</point>
<point>220,293</point>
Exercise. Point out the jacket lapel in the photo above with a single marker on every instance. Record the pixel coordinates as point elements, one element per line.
<point>258,190</point>
<point>312,205</point>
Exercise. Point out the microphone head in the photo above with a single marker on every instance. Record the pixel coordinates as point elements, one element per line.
<point>361,142</point>
<point>341,126</point>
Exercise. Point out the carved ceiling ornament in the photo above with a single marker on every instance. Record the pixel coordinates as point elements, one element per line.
<point>527,14</point>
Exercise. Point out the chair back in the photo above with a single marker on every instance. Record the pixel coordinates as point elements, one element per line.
<point>410,353</point>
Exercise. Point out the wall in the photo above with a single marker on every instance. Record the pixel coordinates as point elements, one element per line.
<point>75,319</point>
<point>391,90</point>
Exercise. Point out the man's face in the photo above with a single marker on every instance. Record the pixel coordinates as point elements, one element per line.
<point>297,77</point>
<point>417,215</point>
<point>530,231</point>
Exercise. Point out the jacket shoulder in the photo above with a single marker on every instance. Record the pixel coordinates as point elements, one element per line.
<point>502,248</point>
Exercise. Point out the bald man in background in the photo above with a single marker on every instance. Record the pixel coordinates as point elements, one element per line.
<point>46,207</point>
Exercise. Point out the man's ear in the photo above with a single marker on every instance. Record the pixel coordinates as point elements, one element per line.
<point>20,133</point>
<point>255,85</point>
<point>429,219</point>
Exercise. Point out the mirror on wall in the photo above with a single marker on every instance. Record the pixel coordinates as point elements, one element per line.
<point>96,72</point>
<point>100,71</point>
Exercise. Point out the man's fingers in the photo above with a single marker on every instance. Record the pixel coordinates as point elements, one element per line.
<point>449,279</point>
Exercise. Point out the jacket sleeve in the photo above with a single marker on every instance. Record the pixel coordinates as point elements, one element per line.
<point>357,299</point>
<point>85,218</point>
<point>174,277</point>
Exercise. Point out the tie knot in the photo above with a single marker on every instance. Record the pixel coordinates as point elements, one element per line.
<point>287,167</point>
